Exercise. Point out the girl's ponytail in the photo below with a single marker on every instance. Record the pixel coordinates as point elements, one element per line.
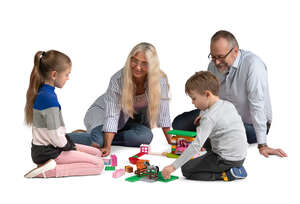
<point>44,63</point>
<point>36,80</point>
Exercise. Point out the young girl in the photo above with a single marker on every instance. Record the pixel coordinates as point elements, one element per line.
<point>54,153</point>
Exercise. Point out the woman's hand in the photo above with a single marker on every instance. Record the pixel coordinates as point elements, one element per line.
<point>108,138</point>
<point>168,136</point>
<point>105,151</point>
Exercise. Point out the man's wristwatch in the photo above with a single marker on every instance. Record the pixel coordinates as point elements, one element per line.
<point>261,145</point>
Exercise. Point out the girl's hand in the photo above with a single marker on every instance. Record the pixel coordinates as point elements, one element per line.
<point>166,172</point>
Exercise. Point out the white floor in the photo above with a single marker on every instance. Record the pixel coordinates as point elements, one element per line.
<point>270,180</point>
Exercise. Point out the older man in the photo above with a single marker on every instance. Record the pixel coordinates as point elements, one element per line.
<point>244,82</point>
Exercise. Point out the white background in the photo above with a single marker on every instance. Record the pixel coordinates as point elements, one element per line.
<point>98,36</point>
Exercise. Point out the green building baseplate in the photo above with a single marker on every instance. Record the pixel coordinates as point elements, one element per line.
<point>182,133</point>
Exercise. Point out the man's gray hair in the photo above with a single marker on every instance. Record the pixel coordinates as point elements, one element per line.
<point>226,35</point>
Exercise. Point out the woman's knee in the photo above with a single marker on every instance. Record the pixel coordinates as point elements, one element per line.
<point>97,136</point>
<point>142,135</point>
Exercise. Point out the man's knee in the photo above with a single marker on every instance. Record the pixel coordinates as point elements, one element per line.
<point>185,121</point>
<point>178,123</point>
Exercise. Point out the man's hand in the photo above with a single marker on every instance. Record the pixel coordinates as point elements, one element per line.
<point>196,121</point>
<point>166,172</point>
<point>266,151</point>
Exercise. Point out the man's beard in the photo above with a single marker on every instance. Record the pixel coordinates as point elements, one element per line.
<point>224,68</point>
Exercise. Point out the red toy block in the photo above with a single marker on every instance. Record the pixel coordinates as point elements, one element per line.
<point>133,160</point>
<point>140,154</point>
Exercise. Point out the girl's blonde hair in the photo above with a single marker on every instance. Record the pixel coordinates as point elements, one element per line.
<point>153,78</point>
<point>44,63</point>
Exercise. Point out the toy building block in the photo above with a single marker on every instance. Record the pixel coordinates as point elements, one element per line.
<point>170,155</point>
<point>144,148</point>
<point>140,154</point>
<point>134,158</point>
<point>110,168</point>
<point>144,169</point>
<point>161,178</point>
<point>107,161</point>
<point>114,160</point>
<point>180,141</point>
<point>133,178</point>
<point>118,173</point>
<point>158,153</point>
<point>129,169</point>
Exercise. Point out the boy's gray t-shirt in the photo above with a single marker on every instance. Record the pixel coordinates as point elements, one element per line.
<point>223,125</point>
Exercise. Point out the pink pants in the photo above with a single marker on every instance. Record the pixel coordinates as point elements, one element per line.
<point>85,161</point>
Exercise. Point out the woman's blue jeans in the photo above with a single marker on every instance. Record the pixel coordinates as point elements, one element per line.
<point>132,135</point>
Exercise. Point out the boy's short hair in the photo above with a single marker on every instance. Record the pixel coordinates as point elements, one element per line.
<point>202,81</point>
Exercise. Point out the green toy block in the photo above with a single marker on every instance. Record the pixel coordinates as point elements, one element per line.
<point>133,178</point>
<point>161,178</point>
<point>109,168</point>
<point>170,155</point>
<point>183,133</point>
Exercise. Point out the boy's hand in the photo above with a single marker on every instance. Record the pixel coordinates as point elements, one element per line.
<point>166,172</point>
<point>196,121</point>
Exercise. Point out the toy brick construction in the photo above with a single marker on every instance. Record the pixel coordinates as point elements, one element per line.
<point>180,141</point>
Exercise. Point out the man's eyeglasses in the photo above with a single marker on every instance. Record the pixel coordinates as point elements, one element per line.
<point>220,58</point>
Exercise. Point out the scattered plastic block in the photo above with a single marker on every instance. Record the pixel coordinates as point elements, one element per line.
<point>107,161</point>
<point>114,160</point>
<point>129,169</point>
<point>110,168</point>
<point>161,178</point>
<point>133,178</point>
<point>118,173</point>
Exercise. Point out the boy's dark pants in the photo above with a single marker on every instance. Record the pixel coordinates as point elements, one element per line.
<point>208,167</point>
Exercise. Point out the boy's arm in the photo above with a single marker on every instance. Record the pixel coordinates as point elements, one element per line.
<point>203,131</point>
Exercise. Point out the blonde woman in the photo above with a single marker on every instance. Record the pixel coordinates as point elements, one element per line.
<point>135,101</point>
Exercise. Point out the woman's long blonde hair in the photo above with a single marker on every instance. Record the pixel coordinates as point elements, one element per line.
<point>153,78</point>
<point>44,63</point>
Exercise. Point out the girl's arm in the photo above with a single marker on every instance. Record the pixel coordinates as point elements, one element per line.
<point>56,129</point>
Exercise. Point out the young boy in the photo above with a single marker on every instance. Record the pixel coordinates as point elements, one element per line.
<point>221,129</point>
